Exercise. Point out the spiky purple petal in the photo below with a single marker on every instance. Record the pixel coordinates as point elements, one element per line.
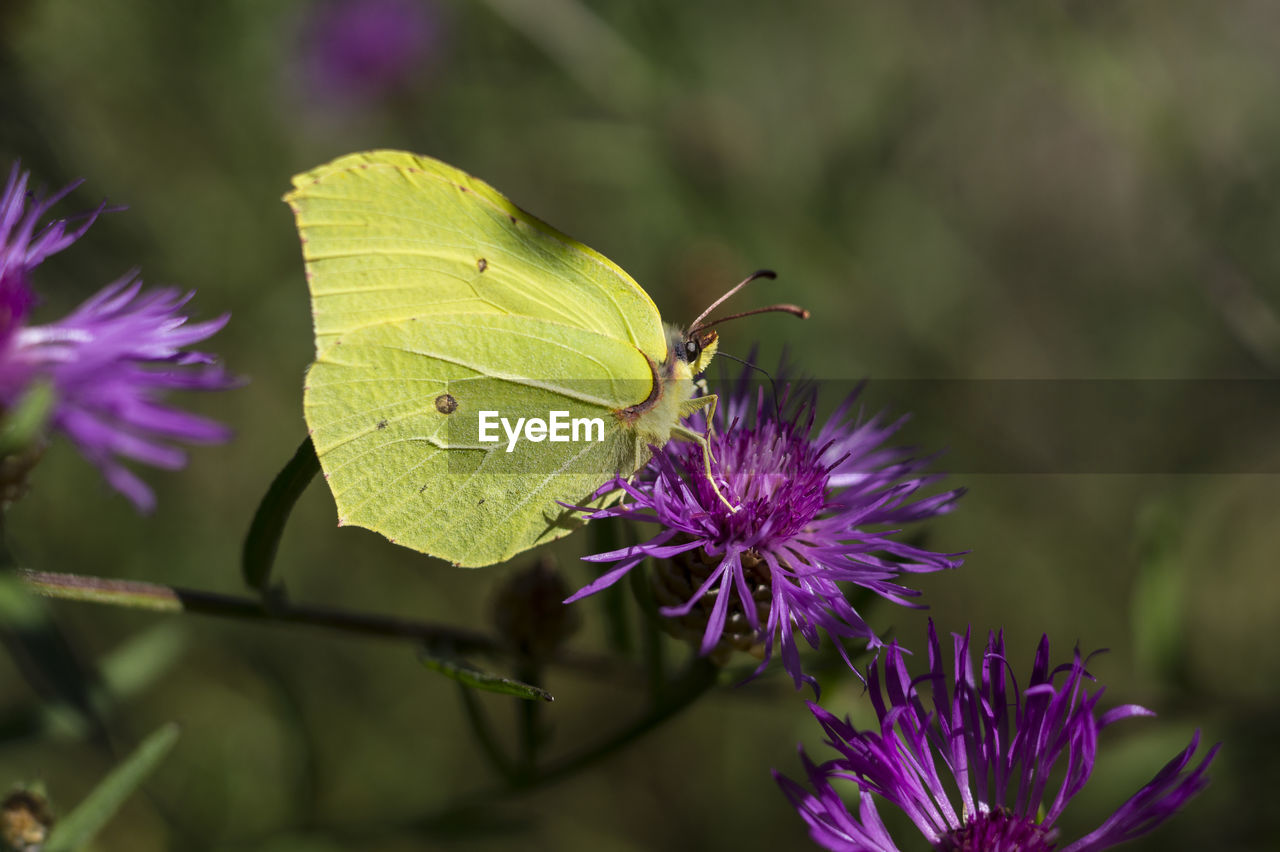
<point>820,510</point>
<point>984,745</point>
<point>110,360</point>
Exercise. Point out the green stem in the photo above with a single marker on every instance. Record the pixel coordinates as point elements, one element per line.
<point>650,633</point>
<point>24,422</point>
<point>172,599</point>
<point>479,724</point>
<point>613,600</point>
<point>263,539</point>
<point>161,598</point>
<point>696,680</point>
<point>529,720</point>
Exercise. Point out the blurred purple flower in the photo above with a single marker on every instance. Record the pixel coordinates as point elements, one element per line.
<point>812,512</point>
<point>974,774</point>
<point>356,50</point>
<point>108,362</point>
<point>22,249</point>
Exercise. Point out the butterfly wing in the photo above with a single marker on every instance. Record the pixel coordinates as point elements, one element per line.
<point>434,299</point>
<point>389,235</point>
<point>394,411</point>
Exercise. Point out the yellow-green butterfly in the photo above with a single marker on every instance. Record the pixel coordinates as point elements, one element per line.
<point>444,316</point>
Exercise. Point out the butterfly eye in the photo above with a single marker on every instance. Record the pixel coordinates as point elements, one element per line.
<point>692,348</point>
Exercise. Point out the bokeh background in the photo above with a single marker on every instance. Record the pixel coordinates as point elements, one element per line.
<point>965,190</point>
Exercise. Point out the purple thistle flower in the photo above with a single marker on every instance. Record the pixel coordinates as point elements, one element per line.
<point>813,512</point>
<point>355,51</point>
<point>22,249</point>
<point>974,774</point>
<point>108,362</point>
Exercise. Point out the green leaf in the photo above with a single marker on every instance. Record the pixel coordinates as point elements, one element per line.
<point>142,659</point>
<point>273,513</point>
<point>135,664</point>
<point>79,826</point>
<point>467,674</point>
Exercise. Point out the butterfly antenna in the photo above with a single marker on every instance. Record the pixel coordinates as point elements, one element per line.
<point>794,310</point>
<point>762,273</point>
<point>773,388</point>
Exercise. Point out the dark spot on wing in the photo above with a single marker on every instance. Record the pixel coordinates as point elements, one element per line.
<point>482,264</point>
<point>382,424</point>
<point>512,218</point>
<point>446,404</point>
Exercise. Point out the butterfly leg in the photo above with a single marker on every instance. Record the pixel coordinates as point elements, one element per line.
<point>701,440</point>
<point>697,403</point>
<point>712,401</point>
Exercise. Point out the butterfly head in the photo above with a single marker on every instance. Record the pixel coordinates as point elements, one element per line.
<point>697,348</point>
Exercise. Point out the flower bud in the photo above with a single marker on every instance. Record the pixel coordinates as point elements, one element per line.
<point>25,821</point>
<point>529,614</point>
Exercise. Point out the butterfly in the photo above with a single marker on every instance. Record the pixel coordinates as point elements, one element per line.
<point>460,344</point>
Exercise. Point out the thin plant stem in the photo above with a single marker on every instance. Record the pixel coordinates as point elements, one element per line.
<point>529,719</point>
<point>650,636</point>
<point>157,597</point>
<point>161,598</point>
<point>701,675</point>
<point>479,724</point>
<point>613,600</point>
<point>696,680</point>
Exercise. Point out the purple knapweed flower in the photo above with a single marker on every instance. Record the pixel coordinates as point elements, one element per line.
<point>974,774</point>
<point>813,512</point>
<point>110,361</point>
<point>357,51</point>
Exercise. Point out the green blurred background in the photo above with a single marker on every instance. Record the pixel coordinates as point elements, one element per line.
<point>956,190</point>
